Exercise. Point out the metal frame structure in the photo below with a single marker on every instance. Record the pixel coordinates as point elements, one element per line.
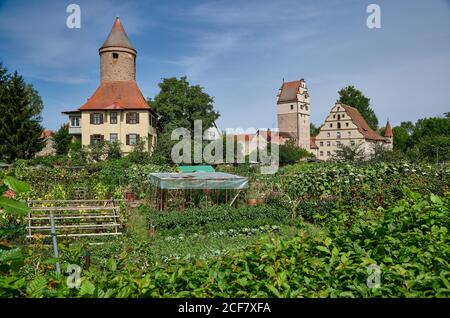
<point>73,218</point>
<point>215,188</point>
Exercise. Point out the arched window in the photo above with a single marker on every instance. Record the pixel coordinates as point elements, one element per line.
<point>339,124</point>
<point>115,56</point>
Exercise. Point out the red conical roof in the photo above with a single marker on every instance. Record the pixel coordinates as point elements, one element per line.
<point>118,37</point>
<point>388,131</point>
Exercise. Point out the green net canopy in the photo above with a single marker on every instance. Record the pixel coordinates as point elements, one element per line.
<point>198,180</point>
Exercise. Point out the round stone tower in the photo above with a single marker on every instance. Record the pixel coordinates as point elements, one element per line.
<point>117,56</point>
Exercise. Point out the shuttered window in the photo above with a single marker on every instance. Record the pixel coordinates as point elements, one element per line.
<point>113,137</point>
<point>96,139</point>
<point>152,120</point>
<point>132,139</point>
<point>132,118</point>
<point>96,119</point>
<point>113,118</point>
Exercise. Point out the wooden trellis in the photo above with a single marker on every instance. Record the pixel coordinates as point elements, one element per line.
<point>74,218</point>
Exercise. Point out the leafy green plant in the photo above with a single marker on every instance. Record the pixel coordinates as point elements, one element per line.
<point>9,187</point>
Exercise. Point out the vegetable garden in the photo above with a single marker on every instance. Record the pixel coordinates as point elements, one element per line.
<point>314,233</point>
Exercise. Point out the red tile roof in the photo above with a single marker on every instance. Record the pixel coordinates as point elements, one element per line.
<point>120,95</point>
<point>388,131</point>
<point>275,137</point>
<point>362,125</point>
<point>47,133</point>
<point>242,137</point>
<point>289,91</point>
<point>118,37</point>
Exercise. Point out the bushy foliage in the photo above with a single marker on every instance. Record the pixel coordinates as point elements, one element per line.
<point>426,140</point>
<point>290,153</point>
<point>62,140</point>
<point>220,217</point>
<point>408,242</point>
<point>349,153</point>
<point>20,118</point>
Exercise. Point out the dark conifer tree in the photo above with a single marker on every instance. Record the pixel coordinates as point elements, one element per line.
<point>20,110</point>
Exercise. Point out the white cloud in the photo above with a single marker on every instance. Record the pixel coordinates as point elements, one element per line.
<point>35,35</point>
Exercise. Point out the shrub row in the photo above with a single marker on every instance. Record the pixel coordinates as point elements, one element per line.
<point>220,217</point>
<point>406,244</point>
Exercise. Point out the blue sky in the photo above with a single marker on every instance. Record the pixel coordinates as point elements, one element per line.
<point>240,51</point>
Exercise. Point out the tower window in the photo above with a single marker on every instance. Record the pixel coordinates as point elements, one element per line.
<point>115,56</point>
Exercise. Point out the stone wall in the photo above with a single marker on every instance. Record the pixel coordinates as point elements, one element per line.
<point>121,68</point>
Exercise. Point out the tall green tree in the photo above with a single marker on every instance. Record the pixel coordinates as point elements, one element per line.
<point>431,127</point>
<point>402,138</point>
<point>355,98</point>
<point>62,140</point>
<point>313,129</point>
<point>20,117</point>
<point>179,104</point>
<point>427,139</point>
<point>432,137</point>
